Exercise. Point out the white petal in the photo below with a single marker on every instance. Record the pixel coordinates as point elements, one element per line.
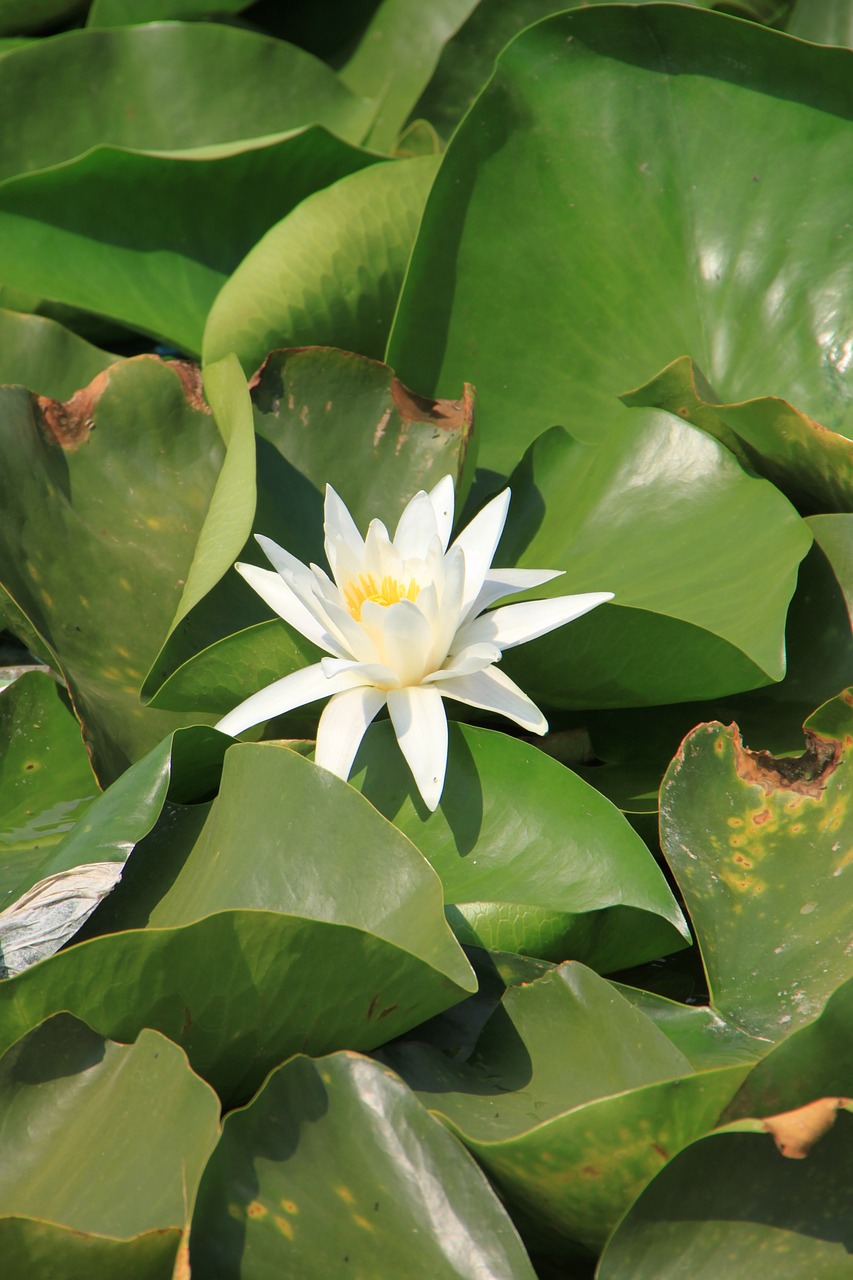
<point>416,528</point>
<point>370,672</point>
<point>402,635</point>
<point>442,498</point>
<point>474,657</point>
<point>420,724</point>
<point>295,690</point>
<point>342,727</point>
<point>517,623</point>
<point>272,588</point>
<point>339,524</point>
<point>506,582</point>
<point>491,690</point>
<point>479,541</point>
<point>379,557</point>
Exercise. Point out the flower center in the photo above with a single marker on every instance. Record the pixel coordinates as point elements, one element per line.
<point>386,591</point>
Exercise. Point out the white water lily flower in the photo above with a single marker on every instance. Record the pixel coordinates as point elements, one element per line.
<point>404,624</point>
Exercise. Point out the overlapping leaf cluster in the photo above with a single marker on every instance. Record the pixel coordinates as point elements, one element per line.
<point>257,1021</point>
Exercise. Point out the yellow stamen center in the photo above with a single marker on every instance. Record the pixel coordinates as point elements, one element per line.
<point>388,591</point>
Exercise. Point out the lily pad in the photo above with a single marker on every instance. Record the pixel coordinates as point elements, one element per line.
<point>731,1204</point>
<point>720,618</point>
<point>288,916</point>
<point>811,465</point>
<point>122,473</point>
<point>41,1251</point>
<point>19,16</point>
<point>40,354</point>
<point>531,858</point>
<point>335,1167</point>
<point>148,239</point>
<point>572,1100</point>
<point>51,888</point>
<point>46,784</point>
<point>103,1138</point>
<point>328,274</point>
<point>633,252</point>
<point>234,85</point>
<point>760,847</point>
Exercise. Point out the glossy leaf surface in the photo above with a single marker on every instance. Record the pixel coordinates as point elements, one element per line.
<point>319,924</point>
<point>810,464</point>
<point>531,858</point>
<point>127,489</point>
<point>335,1165</point>
<point>149,239</point>
<point>330,273</point>
<point>130,1117</point>
<point>233,85</point>
<point>760,848</point>
<point>732,1204</point>
<point>572,1100</point>
<point>53,887</point>
<point>720,618</point>
<point>40,354</point>
<point>701,126</point>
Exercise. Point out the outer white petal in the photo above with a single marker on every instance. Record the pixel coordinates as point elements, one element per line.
<point>479,541</point>
<point>416,528</point>
<point>442,498</point>
<point>506,582</point>
<point>473,658</point>
<point>517,623</point>
<point>295,690</point>
<point>420,724</point>
<point>339,524</point>
<point>370,672</point>
<point>450,610</point>
<point>491,690</point>
<point>342,727</point>
<point>272,588</point>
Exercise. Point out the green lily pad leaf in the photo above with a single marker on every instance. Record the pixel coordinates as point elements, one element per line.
<point>731,1204</point>
<point>42,1251</point>
<point>631,254</point>
<point>226,526</point>
<point>40,354</point>
<point>637,746</point>
<point>396,56</point>
<point>321,415</point>
<point>828,23</point>
<point>103,1138</point>
<point>53,881</point>
<point>235,84</point>
<point>811,465</point>
<point>334,1167</point>
<point>531,858</point>
<point>46,784</point>
<point>760,847</point>
<point>20,16</point>
<point>239,958</point>
<point>720,619</point>
<point>121,13</point>
<point>704,1038</point>
<point>834,536</point>
<point>126,491</point>
<point>328,274</point>
<point>468,57</point>
<point>148,240</point>
<point>572,1101</point>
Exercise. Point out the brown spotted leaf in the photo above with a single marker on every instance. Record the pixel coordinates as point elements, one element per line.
<point>102,498</point>
<point>762,850</point>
